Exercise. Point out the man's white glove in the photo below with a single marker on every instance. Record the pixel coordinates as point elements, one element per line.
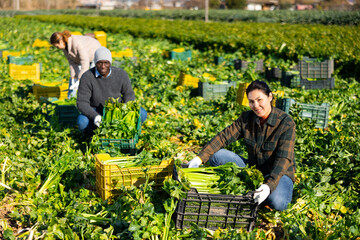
<point>261,193</point>
<point>195,163</point>
<point>97,120</point>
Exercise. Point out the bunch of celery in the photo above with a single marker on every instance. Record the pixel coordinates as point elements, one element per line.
<point>140,160</point>
<point>120,120</point>
<point>225,179</point>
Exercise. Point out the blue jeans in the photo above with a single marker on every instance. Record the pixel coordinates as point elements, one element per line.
<point>85,125</point>
<point>278,199</point>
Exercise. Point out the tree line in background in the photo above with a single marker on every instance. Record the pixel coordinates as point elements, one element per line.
<point>187,4</point>
<point>37,4</point>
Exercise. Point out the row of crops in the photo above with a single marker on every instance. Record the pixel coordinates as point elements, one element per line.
<point>270,39</point>
<point>48,171</point>
<point>341,18</point>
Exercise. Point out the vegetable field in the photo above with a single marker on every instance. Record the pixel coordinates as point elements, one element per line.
<point>47,170</point>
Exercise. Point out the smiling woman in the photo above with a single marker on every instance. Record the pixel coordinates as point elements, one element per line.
<point>269,135</point>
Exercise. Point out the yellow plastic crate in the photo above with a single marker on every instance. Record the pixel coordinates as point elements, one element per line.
<point>241,97</point>
<point>178,50</point>
<point>166,53</point>
<point>41,43</point>
<point>7,53</point>
<point>25,72</point>
<point>110,178</point>
<point>57,90</point>
<point>101,37</point>
<point>277,95</point>
<point>124,53</point>
<point>188,80</point>
<point>75,33</point>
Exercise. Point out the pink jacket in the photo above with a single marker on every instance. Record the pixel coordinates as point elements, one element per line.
<point>80,51</point>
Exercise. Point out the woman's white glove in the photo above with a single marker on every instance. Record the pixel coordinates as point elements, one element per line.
<point>195,163</point>
<point>261,193</point>
<point>73,87</point>
<point>74,84</point>
<point>97,120</point>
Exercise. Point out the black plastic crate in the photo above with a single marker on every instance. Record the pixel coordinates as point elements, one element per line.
<point>243,65</point>
<point>211,91</point>
<point>213,211</point>
<point>311,68</point>
<point>290,79</point>
<point>273,73</point>
<point>317,113</point>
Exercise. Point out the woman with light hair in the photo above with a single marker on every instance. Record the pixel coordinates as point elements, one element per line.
<point>79,51</point>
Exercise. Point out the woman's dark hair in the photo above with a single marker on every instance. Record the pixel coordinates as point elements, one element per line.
<point>257,84</point>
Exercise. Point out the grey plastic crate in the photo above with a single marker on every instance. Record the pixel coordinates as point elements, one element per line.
<point>212,91</point>
<point>313,69</point>
<point>317,113</point>
<point>243,65</point>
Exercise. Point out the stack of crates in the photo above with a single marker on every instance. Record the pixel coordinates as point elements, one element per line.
<point>58,90</point>
<point>316,74</point>
<point>312,74</point>
<point>101,37</point>
<point>317,113</point>
<point>110,178</point>
<point>243,65</point>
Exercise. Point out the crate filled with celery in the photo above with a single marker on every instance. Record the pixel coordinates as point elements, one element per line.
<point>120,128</point>
<point>115,173</point>
<point>219,197</point>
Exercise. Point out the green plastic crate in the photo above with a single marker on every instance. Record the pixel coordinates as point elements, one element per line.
<point>211,91</point>
<point>183,56</point>
<point>21,60</point>
<point>67,114</point>
<point>317,113</point>
<point>125,145</point>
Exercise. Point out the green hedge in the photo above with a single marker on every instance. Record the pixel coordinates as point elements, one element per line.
<point>281,40</point>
